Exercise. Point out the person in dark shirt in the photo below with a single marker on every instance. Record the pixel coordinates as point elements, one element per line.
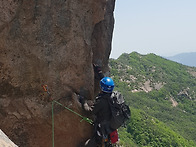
<point>101,111</point>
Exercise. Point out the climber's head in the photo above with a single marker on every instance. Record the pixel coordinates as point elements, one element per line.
<point>107,84</point>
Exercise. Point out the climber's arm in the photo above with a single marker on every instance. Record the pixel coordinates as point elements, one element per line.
<point>98,72</point>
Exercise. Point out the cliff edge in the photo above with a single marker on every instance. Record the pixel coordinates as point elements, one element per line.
<point>53,43</point>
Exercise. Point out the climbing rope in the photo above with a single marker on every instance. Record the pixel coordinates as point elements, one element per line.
<point>45,87</point>
<point>83,118</point>
<point>52,124</point>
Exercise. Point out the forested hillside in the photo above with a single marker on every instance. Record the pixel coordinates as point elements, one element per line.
<point>162,98</point>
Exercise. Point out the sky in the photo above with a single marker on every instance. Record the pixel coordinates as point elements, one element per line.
<point>162,27</point>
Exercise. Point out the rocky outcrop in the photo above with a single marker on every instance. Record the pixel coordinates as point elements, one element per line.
<point>53,43</point>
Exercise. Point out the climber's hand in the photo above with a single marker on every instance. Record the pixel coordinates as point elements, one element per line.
<point>98,72</point>
<point>97,68</point>
<point>87,107</point>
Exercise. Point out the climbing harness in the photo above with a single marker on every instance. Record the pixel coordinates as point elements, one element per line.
<point>53,102</point>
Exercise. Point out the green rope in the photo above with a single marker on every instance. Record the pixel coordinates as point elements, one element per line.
<point>83,118</point>
<point>52,124</point>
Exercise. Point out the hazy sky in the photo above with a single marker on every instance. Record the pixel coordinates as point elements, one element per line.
<point>163,27</point>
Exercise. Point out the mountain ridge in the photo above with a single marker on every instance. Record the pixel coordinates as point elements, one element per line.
<point>161,89</point>
<point>188,58</point>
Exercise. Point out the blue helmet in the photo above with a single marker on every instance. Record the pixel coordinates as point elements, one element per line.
<point>107,84</point>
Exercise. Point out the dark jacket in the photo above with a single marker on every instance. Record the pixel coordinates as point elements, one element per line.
<point>101,108</point>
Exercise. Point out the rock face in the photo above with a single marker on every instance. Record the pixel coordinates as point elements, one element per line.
<point>53,43</point>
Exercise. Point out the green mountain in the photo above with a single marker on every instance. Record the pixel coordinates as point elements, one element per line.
<point>162,97</point>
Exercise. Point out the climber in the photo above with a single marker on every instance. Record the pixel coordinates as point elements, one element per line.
<point>101,110</point>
